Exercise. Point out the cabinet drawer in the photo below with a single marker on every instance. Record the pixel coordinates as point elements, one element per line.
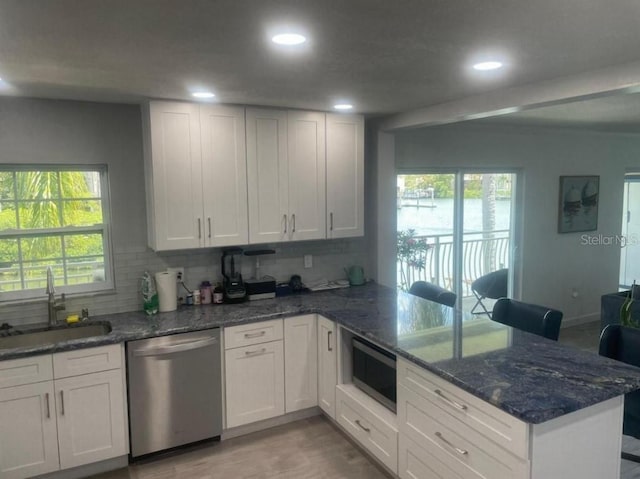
<point>16,372</point>
<point>254,333</point>
<point>465,448</point>
<point>368,422</point>
<point>415,462</point>
<point>488,420</point>
<point>85,361</point>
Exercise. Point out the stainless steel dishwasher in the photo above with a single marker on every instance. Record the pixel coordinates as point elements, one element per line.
<point>175,391</point>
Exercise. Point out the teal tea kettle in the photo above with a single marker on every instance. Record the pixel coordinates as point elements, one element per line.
<point>355,275</point>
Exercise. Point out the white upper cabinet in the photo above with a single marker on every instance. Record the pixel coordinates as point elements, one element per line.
<point>307,170</point>
<point>267,175</point>
<point>286,164</point>
<point>195,165</point>
<point>224,175</point>
<point>345,175</point>
<point>173,164</point>
<point>218,177</point>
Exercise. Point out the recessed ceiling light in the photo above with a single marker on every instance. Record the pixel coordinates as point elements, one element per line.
<point>485,66</point>
<point>343,106</point>
<point>203,94</point>
<point>288,39</point>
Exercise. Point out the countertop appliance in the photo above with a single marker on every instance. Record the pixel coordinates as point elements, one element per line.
<point>175,390</point>
<point>374,371</point>
<point>232,285</point>
<point>260,287</point>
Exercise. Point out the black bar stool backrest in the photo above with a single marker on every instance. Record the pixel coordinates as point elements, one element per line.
<point>527,317</point>
<point>433,292</point>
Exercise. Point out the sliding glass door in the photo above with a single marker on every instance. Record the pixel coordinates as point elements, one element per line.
<point>454,228</point>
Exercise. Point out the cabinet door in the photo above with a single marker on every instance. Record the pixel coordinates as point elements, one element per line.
<point>267,175</point>
<point>174,173</point>
<point>91,418</point>
<point>300,362</point>
<point>345,176</point>
<point>307,180</point>
<point>28,441</point>
<point>224,174</point>
<point>254,383</point>
<point>327,366</point>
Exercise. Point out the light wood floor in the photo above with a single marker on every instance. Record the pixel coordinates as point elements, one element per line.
<point>308,449</point>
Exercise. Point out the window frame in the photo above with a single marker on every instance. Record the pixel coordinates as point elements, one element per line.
<point>108,285</point>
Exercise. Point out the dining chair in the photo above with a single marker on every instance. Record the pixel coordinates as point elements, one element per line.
<point>492,285</point>
<point>623,344</point>
<point>433,292</point>
<point>527,317</point>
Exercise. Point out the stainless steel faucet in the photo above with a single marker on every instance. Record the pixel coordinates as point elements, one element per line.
<point>54,304</point>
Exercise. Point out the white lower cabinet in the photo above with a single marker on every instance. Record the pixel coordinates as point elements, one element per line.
<point>91,418</point>
<point>28,441</point>
<point>465,436</point>
<point>370,423</point>
<point>415,462</point>
<point>327,366</point>
<point>254,383</point>
<point>300,362</point>
<point>65,422</point>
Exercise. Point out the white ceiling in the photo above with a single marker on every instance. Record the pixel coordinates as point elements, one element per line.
<point>385,56</point>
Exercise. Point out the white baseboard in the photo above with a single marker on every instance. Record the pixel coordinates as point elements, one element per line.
<point>578,320</point>
<point>268,423</point>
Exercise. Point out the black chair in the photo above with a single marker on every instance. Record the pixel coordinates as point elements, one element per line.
<point>527,317</point>
<point>433,292</point>
<point>492,285</point>
<point>623,344</point>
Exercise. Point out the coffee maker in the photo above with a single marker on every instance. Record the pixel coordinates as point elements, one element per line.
<point>232,285</point>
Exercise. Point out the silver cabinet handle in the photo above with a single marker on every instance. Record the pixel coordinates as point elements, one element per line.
<point>46,398</point>
<point>361,426</point>
<point>293,220</point>
<point>285,223</point>
<point>199,229</point>
<point>455,404</point>
<point>329,348</point>
<point>255,335</point>
<point>162,350</point>
<point>330,221</point>
<point>462,452</point>
<point>209,221</point>
<point>61,402</point>
<point>255,353</point>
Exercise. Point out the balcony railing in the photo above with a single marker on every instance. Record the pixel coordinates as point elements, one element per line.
<point>482,252</point>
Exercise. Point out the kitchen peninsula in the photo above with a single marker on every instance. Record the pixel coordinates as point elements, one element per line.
<point>529,406</point>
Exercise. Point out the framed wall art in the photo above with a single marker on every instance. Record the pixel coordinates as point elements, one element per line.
<point>578,208</point>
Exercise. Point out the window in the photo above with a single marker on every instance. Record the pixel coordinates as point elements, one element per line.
<point>54,217</point>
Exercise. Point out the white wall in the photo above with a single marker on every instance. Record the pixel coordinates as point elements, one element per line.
<point>552,264</point>
<point>49,131</point>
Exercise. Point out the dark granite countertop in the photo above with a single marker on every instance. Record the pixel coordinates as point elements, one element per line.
<point>529,377</point>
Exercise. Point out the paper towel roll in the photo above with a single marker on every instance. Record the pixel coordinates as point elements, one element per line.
<point>167,287</point>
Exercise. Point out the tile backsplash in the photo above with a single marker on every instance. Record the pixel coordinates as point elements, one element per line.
<point>329,259</point>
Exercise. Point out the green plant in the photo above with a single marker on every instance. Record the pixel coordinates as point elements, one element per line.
<point>625,309</point>
<point>411,256</point>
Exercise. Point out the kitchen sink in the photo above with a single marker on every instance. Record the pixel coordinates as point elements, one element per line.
<point>36,337</point>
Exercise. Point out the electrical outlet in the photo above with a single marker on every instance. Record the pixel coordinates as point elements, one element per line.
<point>179,271</point>
<point>308,261</point>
